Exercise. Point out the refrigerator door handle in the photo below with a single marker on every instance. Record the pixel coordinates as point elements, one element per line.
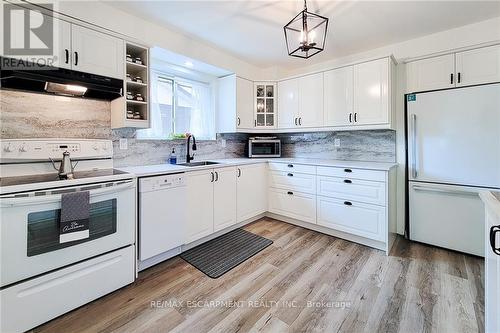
<point>433,189</point>
<point>413,127</point>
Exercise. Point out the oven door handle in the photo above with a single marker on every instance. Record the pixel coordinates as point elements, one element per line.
<point>23,201</point>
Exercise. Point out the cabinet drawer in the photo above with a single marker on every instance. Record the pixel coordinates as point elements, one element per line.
<point>25,305</point>
<point>301,206</point>
<point>309,169</point>
<point>293,181</point>
<point>366,191</point>
<point>356,218</point>
<point>350,173</point>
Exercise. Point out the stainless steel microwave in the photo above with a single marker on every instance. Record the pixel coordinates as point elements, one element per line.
<point>264,147</point>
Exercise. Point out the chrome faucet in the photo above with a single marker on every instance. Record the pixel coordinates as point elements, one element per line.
<point>66,168</point>
<point>189,158</point>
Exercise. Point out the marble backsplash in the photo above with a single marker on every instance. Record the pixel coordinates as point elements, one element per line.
<point>29,115</point>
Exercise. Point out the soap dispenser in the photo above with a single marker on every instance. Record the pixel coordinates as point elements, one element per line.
<point>173,157</point>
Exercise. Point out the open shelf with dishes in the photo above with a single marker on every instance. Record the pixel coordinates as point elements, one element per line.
<point>132,110</point>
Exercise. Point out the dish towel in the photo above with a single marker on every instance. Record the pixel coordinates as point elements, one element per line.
<point>75,213</point>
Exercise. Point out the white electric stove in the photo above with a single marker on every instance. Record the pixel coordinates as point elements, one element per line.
<point>38,274</point>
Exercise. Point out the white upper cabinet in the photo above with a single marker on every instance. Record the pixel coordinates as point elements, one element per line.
<point>97,53</point>
<point>478,66</point>
<point>288,103</point>
<point>301,102</point>
<point>311,101</point>
<point>235,104</point>
<point>244,103</point>
<point>371,93</point>
<point>431,74</point>
<point>63,50</point>
<point>265,105</point>
<point>338,97</point>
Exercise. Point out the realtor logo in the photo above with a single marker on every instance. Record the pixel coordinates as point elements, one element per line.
<point>27,32</point>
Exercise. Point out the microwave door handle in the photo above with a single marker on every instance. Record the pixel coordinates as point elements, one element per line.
<point>23,201</point>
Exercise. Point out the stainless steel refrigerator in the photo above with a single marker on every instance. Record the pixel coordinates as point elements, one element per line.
<point>453,139</point>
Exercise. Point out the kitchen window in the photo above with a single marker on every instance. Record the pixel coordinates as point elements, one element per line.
<point>179,106</point>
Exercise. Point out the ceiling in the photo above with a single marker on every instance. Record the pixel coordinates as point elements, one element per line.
<point>253,30</point>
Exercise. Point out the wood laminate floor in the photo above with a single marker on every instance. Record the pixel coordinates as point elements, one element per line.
<point>305,282</point>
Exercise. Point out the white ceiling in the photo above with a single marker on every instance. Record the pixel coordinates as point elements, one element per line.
<point>253,30</point>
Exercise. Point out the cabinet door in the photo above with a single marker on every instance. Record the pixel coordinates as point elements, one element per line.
<point>288,103</point>
<point>200,203</point>
<point>63,48</point>
<point>431,74</point>
<point>478,66</point>
<point>265,105</point>
<point>353,217</point>
<point>224,198</point>
<point>296,205</point>
<point>339,97</point>
<point>311,101</point>
<point>251,191</point>
<point>97,53</point>
<point>371,92</point>
<point>244,103</point>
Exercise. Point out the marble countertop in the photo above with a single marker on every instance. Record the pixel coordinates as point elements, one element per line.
<point>162,169</point>
<point>492,200</point>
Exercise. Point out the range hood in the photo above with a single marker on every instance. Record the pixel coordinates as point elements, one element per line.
<point>59,81</point>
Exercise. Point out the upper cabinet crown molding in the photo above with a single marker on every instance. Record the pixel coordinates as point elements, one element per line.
<point>465,68</point>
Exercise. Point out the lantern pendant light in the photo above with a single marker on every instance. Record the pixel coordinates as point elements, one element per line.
<point>305,34</point>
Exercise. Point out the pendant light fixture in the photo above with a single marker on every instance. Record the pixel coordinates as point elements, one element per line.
<point>305,34</point>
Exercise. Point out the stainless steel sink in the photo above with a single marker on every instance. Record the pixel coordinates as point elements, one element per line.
<point>195,164</point>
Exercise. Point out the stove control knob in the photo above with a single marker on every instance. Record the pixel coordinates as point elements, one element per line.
<point>23,149</point>
<point>7,148</point>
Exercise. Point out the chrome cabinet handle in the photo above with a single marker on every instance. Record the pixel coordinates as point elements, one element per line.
<point>239,172</point>
<point>295,121</point>
<point>213,177</point>
<point>239,121</point>
<point>413,127</point>
<point>355,117</point>
<point>300,121</point>
<point>350,117</point>
<point>216,176</point>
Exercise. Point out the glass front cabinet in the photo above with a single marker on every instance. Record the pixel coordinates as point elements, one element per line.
<point>265,105</point>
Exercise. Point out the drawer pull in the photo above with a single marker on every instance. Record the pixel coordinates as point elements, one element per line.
<point>290,175</point>
<point>290,192</point>
<point>347,203</point>
<point>290,165</point>
<point>347,170</point>
<point>348,181</point>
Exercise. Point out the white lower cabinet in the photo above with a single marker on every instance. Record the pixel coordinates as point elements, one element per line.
<point>224,198</point>
<point>251,191</point>
<point>211,202</point>
<point>297,205</point>
<point>356,218</point>
<point>200,205</point>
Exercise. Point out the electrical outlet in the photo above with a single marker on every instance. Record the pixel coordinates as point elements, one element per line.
<point>123,144</point>
<point>336,142</point>
<point>223,142</point>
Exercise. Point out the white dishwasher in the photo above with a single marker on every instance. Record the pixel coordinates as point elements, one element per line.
<point>162,218</point>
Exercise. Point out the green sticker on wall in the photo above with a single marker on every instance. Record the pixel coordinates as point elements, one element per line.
<point>411,98</point>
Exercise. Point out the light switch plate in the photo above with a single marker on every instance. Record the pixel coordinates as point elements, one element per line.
<point>336,142</point>
<point>123,144</point>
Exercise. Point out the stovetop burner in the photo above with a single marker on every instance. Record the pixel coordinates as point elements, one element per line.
<point>51,177</point>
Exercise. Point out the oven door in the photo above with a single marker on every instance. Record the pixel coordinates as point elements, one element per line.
<point>264,148</point>
<point>29,228</point>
